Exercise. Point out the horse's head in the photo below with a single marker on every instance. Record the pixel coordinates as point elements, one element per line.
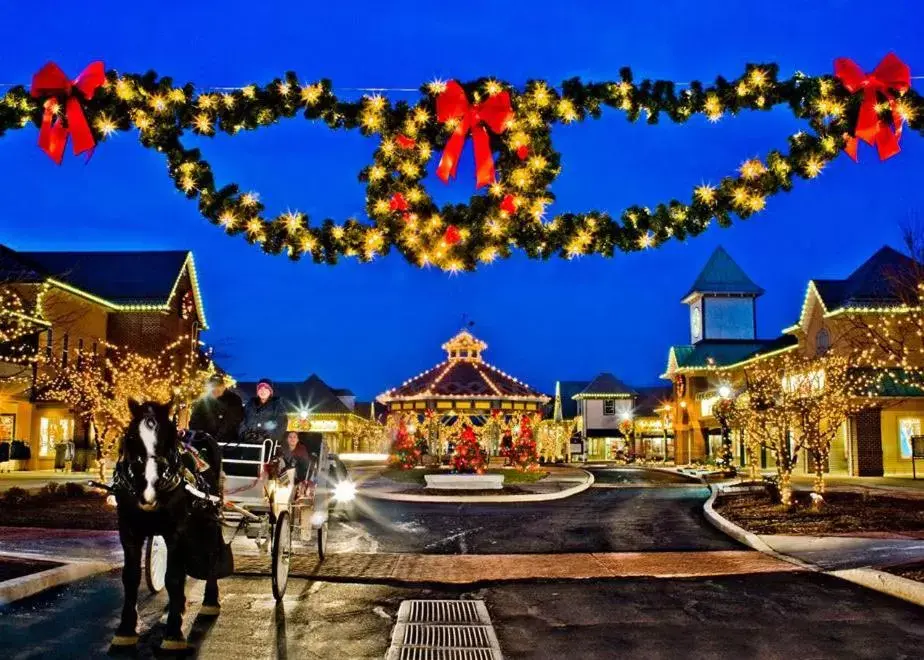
<point>150,459</point>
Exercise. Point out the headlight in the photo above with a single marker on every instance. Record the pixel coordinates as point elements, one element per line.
<point>345,491</point>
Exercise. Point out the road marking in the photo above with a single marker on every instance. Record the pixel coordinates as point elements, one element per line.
<point>468,569</point>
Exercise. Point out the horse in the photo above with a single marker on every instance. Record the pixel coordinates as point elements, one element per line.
<point>155,497</point>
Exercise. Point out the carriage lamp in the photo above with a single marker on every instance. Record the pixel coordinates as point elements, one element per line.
<point>318,519</point>
<point>725,391</point>
<point>345,491</point>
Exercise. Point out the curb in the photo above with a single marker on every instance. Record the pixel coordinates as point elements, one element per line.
<point>29,585</point>
<point>893,585</point>
<point>484,499</point>
<point>886,583</point>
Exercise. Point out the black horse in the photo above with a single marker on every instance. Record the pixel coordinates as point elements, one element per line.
<point>162,490</point>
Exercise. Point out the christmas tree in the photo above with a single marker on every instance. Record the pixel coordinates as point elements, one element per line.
<point>404,453</point>
<point>524,455</point>
<point>468,456</point>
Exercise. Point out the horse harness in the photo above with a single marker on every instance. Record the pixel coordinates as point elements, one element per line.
<point>173,474</point>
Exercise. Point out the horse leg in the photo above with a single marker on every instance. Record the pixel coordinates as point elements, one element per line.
<point>210,604</point>
<point>176,590</point>
<point>127,633</point>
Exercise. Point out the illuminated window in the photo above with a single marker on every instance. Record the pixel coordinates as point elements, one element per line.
<point>7,427</point>
<point>908,427</point>
<point>53,431</point>
<point>609,407</point>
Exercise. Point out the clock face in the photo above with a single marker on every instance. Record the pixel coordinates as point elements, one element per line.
<point>696,323</point>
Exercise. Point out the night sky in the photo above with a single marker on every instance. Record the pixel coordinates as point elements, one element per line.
<point>370,326</point>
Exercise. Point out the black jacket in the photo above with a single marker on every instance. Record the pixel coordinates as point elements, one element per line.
<point>267,419</point>
<point>221,418</point>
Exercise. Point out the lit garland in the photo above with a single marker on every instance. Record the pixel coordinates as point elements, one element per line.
<point>513,213</point>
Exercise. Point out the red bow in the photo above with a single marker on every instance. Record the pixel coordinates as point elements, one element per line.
<point>891,75</point>
<point>495,112</point>
<point>51,81</point>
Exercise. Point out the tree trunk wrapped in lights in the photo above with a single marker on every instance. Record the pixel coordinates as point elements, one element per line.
<point>722,411</point>
<point>468,457</point>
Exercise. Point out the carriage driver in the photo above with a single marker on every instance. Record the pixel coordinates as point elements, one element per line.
<point>265,415</point>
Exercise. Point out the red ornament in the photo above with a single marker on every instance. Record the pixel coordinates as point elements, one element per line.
<point>494,113</point>
<point>405,142</point>
<point>890,76</point>
<point>509,204</point>
<point>398,203</point>
<point>52,82</point>
<point>523,151</point>
<point>452,235</point>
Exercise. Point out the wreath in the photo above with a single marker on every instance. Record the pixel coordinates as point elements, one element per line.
<point>515,160</point>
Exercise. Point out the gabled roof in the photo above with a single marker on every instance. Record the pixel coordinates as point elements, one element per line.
<point>311,395</point>
<point>604,386</point>
<point>716,353</point>
<point>119,280</point>
<point>887,279</point>
<point>722,275</point>
<point>565,391</point>
<point>372,410</point>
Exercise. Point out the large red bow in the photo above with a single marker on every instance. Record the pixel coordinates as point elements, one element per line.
<point>891,75</point>
<point>495,112</point>
<point>51,81</point>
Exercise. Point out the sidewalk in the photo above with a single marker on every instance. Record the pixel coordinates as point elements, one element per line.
<point>35,479</point>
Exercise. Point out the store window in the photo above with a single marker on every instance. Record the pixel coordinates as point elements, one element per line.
<point>7,427</point>
<point>609,407</point>
<point>908,427</point>
<point>52,431</point>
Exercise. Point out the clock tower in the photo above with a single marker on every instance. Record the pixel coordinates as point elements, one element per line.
<point>722,301</point>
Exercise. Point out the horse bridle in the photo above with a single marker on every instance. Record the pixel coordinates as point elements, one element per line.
<point>171,476</point>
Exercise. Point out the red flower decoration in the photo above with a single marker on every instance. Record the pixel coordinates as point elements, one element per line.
<point>452,235</point>
<point>405,142</point>
<point>398,203</point>
<point>523,152</point>
<point>509,204</point>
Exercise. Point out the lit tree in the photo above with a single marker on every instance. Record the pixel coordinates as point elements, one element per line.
<point>468,457</point>
<point>524,455</point>
<point>721,410</point>
<point>552,438</point>
<point>795,402</point>
<point>404,453</point>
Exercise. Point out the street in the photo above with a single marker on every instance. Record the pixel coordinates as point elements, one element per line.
<point>758,608</point>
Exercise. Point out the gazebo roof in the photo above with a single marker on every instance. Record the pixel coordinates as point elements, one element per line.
<point>463,375</point>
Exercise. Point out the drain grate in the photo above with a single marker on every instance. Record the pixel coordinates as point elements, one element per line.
<point>443,630</point>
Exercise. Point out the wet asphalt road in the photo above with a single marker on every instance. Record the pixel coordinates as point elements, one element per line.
<point>776,615</point>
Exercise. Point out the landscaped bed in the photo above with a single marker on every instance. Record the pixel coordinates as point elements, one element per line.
<point>913,571</point>
<point>14,567</point>
<point>416,476</point>
<point>842,513</point>
<point>56,506</point>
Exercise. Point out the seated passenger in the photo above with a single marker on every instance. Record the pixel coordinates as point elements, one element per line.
<point>294,455</point>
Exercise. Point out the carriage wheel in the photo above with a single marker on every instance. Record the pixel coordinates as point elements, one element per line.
<point>282,551</point>
<point>155,563</point>
<point>322,541</point>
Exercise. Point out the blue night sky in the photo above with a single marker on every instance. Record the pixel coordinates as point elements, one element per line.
<point>368,327</point>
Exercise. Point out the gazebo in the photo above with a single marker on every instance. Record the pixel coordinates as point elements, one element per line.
<point>462,389</point>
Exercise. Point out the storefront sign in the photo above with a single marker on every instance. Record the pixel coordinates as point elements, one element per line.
<point>324,426</point>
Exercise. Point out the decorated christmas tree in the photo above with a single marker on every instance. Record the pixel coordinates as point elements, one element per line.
<point>468,456</point>
<point>404,453</point>
<point>524,455</point>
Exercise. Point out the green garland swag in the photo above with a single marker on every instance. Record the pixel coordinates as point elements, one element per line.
<point>512,213</point>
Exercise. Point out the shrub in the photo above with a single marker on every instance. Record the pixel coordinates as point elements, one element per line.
<point>772,486</point>
<point>14,496</point>
<point>73,489</point>
<point>49,490</point>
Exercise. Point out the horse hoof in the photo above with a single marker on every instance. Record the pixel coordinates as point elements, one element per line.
<point>174,645</point>
<point>210,610</point>
<point>122,641</point>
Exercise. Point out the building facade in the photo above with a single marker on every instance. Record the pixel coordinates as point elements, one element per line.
<point>835,315</point>
<point>142,301</point>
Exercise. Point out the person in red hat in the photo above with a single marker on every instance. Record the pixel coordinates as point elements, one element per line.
<point>265,415</point>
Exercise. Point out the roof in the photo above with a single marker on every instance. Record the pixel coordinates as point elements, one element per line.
<point>565,390</point>
<point>605,385</point>
<point>370,410</point>
<point>464,374</point>
<point>886,278</point>
<point>119,279</point>
<point>312,395</point>
<point>722,275</point>
<point>711,353</point>
<point>650,399</point>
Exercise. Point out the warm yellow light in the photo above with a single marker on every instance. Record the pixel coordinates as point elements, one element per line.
<point>742,89</point>
<point>537,163</point>
<point>435,222</point>
<point>436,86</point>
<point>421,116</point>
<point>255,226</point>
<point>646,240</point>
<point>414,195</point>
<point>713,107</point>
<point>492,87</point>
<point>376,173</point>
<point>105,125</point>
<point>249,92</point>
<point>751,169</point>
<point>756,203</point>
<point>124,89</point>
<point>227,220</point>
<point>758,77</point>
<point>740,196</point>
<point>521,178</point>
<point>705,193</point>
<point>142,121</point>
<point>371,120</point>
<point>424,151</point>
<point>228,100</point>
<point>381,207</point>
<point>202,123</point>
<point>387,148</point>
<point>187,183</point>
<point>487,255</point>
<point>781,167</point>
<point>813,167</point>
<point>250,199</point>
<point>566,110</point>
<point>292,221</point>
<point>409,169</point>
<point>829,144</point>
<point>541,96</point>
<point>905,111</point>
<point>310,94</point>
<point>158,103</point>
<point>337,232</point>
<point>284,88</point>
<point>496,189</point>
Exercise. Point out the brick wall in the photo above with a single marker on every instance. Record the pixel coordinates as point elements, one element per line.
<point>866,439</point>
